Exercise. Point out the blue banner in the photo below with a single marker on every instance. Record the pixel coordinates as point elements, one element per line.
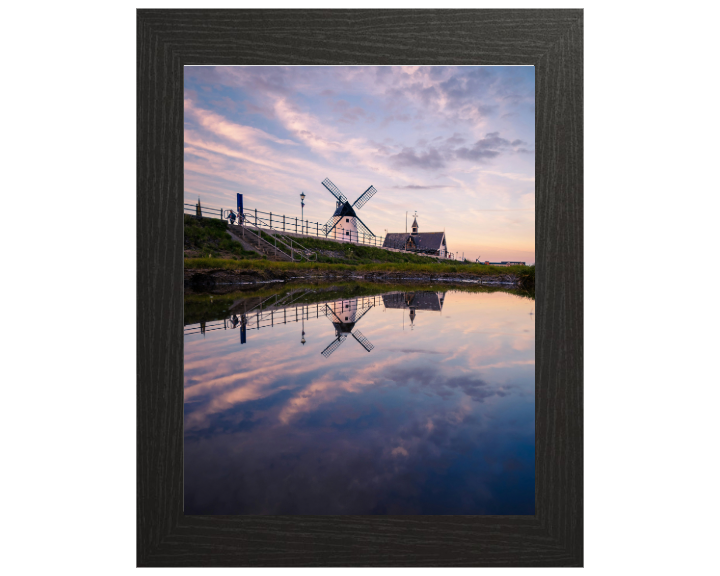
<point>240,207</point>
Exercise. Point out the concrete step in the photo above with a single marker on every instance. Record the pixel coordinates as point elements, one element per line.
<point>251,242</point>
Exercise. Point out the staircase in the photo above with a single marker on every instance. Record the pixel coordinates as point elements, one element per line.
<point>277,248</point>
<point>259,244</point>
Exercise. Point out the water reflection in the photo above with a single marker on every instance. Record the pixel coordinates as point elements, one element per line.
<point>414,301</point>
<point>430,412</point>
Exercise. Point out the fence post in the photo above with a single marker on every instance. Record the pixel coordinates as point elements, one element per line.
<point>283,222</point>
<point>256,217</point>
<point>317,229</point>
<point>270,220</point>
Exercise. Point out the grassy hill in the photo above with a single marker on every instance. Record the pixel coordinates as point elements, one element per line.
<point>208,238</point>
<point>208,246</point>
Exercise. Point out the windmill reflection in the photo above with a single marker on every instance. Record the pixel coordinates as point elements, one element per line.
<point>344,315</point>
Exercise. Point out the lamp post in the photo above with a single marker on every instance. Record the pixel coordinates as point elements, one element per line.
<point>302,208</point>
<point>303,330</point>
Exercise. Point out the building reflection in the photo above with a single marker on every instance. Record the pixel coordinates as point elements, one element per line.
<point>414,301</point>
<point>247,314</point>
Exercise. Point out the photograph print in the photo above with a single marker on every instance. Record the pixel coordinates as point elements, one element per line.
<point>359,290</point>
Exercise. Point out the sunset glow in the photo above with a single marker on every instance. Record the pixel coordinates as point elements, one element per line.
<point>455,144</point>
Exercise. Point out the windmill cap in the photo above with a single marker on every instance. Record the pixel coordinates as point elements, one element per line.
<point>345,210</point>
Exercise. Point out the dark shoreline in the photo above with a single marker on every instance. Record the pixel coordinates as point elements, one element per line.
<point>209,278</point>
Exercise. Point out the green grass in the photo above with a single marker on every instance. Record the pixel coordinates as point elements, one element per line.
<point>209,236</point>
<point>431,268</point>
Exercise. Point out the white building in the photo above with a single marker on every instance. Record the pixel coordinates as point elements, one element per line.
<point>345,224</point>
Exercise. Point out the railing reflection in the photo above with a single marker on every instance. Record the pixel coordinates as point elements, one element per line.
<point>344,313</point>
<point>282,311</point>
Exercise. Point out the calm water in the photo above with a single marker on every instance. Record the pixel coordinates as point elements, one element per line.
<point>410,402</point>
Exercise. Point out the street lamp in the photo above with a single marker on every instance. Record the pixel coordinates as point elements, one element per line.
<point>302,208</point>
<point>303,330</point>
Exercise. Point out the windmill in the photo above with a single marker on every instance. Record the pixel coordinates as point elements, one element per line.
<point>344,316</point>
<point>344,224</point>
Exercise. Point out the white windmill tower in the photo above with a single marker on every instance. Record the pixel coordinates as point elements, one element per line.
<point>344,225</point>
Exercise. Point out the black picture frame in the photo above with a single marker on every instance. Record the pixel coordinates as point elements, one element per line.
<point>552,41</point>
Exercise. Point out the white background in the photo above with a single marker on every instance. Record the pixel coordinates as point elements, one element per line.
<point>68,241</point>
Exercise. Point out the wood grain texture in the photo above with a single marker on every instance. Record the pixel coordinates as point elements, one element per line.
<point>549,39</point>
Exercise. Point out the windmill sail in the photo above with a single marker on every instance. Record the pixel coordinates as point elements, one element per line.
<point>334,190</point>
<point>357,319</point>
<point>330,224</point>
<point>364,197</point>
<point>329,311</point>
<point>334,345</point>
<point>361,227</point>
<point>364,342</point>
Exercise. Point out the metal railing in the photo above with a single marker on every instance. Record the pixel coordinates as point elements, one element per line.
<point>288,225</point>
<point>305,228</point>
<point>204,211</point>
<point>294,225</point>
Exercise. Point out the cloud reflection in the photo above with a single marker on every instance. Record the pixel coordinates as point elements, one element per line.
<point>276,428</point>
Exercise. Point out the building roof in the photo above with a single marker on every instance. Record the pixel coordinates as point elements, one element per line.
<point>415,300</point>
<point>422,240</point>
<point>395,240</point>
<point>345,210</point>
<point>428,240</point>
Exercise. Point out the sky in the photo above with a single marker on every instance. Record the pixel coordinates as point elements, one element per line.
<point>454,144</point>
